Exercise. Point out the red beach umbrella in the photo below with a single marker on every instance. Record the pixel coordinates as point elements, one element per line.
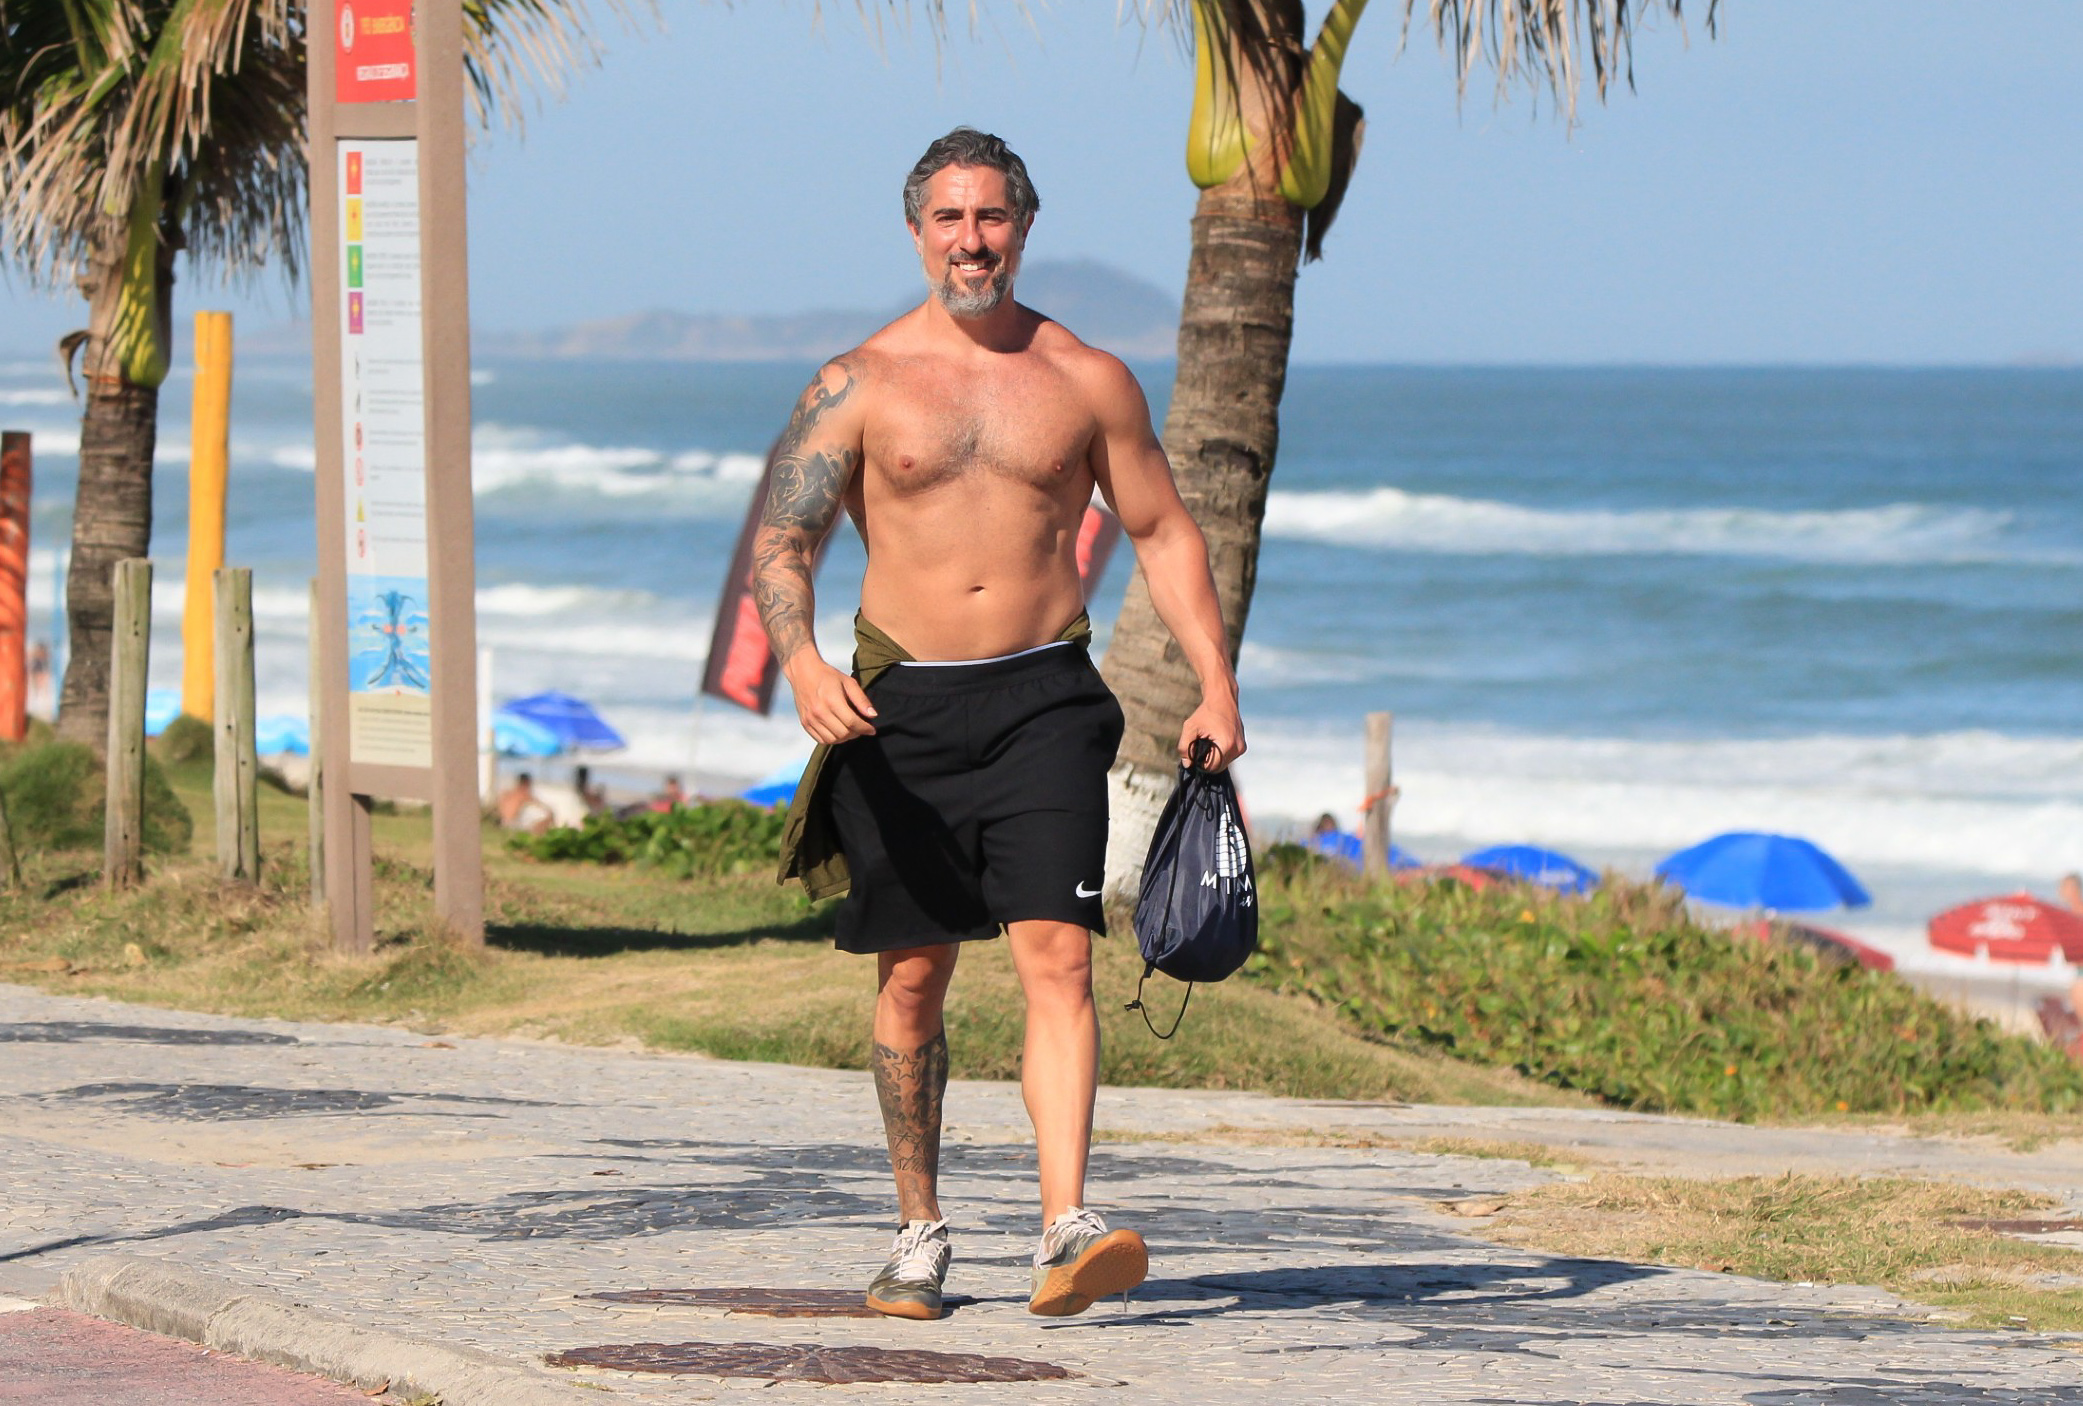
<point>2018,928</point>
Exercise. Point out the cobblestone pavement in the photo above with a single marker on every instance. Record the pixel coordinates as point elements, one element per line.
<point>473,1192</point>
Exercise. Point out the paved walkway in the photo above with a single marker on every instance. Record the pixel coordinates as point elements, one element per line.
<point>473,1192</point>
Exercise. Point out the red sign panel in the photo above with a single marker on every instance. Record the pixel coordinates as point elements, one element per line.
<point>373,58</point>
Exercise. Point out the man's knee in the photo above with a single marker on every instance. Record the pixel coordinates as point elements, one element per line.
<point>915,983</point>
<point>1054,961</point>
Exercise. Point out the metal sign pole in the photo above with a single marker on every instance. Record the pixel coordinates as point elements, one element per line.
<point>391,370</point>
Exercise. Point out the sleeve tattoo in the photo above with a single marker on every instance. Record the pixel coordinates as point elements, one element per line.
<point>803,495</point>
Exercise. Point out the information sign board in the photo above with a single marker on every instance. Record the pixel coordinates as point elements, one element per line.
<point>384,445</point>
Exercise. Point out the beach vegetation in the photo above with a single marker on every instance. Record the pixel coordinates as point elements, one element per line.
<point>1272,143</point>
<point>718,837</point>
<point>54,794</point>
<point>134,130</point>
<point>1360,992</point>
<point>1622,995</point>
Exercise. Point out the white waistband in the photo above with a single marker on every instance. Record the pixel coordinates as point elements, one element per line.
<point>994,659</point>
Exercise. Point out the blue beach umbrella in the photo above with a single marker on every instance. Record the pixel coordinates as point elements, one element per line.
<point>516,736</point>
<point>570,720</point>
<point>776,788</point>
<point>282,732</point>
<point>1784,873</point>
<point>1546,867</point>
<point>1343,844</point>
<point>162,706</point>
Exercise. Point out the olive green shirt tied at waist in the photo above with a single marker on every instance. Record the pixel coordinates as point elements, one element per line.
<point>809,841</point>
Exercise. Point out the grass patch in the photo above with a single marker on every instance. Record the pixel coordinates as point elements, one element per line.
<point>726,964</point>
<point>1897,1234</point>
<point>1620,994</point>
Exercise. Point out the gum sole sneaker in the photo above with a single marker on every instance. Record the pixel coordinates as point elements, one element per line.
<point>1088,1263</point>
<point>909,1285</point>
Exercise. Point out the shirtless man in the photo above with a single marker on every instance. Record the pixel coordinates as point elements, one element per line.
<point>967,784</point>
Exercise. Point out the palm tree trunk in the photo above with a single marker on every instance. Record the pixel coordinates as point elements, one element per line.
<point>112,510</point>
<point>1221,434</point>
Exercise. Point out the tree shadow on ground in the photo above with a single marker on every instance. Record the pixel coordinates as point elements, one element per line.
<point>553,939</point>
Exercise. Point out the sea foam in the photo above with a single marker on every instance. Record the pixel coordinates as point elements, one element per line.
<point>1391,518</point>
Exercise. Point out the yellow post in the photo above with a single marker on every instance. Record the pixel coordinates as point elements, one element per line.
<point>209,465</point>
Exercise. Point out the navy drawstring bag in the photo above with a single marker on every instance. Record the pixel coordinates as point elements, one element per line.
<point>1197,911</point>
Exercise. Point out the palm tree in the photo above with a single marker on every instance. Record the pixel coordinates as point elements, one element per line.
<point>133,129</point>
<point>1272,143</point>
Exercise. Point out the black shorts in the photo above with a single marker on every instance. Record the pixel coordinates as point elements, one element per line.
<point>980,801</point>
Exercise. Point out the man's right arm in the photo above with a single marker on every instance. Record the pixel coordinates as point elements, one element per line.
<point>817,457</point>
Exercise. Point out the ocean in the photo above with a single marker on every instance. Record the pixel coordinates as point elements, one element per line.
<point>1614,611</point>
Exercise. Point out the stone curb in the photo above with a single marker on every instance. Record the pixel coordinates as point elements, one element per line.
<point>182,1303</point>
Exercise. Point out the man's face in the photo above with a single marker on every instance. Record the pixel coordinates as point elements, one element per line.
<point>969,245</point>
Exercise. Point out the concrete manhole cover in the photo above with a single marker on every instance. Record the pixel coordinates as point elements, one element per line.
<point>769,1303</point>
<point>808,1362</point>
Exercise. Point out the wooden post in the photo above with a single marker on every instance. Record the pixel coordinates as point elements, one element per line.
<point>14,585</point>
<point>10,860</point>
<point>209,466</point>
<point>123,834</point>
<point>314,790</point>
<point>1380,796</point>
<point>238,768</point>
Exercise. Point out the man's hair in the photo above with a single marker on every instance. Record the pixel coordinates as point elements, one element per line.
<point>965,146</point>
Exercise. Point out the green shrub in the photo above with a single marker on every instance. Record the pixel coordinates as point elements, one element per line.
<point>54,797</point>
<point>185,739</point>
<point>1622,995</point>
<point>717,837</point>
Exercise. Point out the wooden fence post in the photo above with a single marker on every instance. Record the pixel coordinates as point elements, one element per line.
<point>123,833</point>
<point>14,585</point>
<point>314,790</point>
<point>10,860</point>
<point>238,769</point>
<point>1381,796</point>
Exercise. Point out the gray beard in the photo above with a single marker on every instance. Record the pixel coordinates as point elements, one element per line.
<point>961,303</point>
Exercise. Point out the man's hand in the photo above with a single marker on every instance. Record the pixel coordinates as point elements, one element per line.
<point>832,706</point>
<point>1218,721</point>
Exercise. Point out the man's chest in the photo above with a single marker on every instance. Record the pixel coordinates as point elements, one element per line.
<point>930,435</point>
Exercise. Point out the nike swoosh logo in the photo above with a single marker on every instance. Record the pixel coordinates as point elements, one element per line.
<point>1081,892</point>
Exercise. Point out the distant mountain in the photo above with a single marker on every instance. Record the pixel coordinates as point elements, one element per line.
<point>1103,305</point>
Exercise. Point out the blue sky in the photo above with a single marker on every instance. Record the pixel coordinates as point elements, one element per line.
<point>1852,181</point>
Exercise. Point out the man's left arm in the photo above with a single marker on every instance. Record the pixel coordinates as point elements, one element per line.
<point>1136,480</point>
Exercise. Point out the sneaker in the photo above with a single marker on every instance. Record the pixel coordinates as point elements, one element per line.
<point>1080,1262</point>
<point>909,1285</point>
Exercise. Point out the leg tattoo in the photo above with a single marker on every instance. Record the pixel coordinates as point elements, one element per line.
<point>911,1086</point>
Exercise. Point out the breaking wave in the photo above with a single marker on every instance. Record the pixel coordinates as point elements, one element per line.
<point>1896,533</point>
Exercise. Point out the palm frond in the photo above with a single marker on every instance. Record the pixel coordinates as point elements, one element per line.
<point>1542,42</point>
<point>96,94</point>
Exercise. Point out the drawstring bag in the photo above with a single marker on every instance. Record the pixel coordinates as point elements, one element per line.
<point>1197,911</point>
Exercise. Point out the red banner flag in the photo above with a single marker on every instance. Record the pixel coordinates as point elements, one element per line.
<point>1097,536</point>
<point>742,668</point>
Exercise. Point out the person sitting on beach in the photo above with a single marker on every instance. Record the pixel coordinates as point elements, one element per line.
<point>1327,839</point>
<point>40,682</point>
<point>521,809</point>
<point>2072,892</point>
<point>594,798</point>
<point>669,795</point>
